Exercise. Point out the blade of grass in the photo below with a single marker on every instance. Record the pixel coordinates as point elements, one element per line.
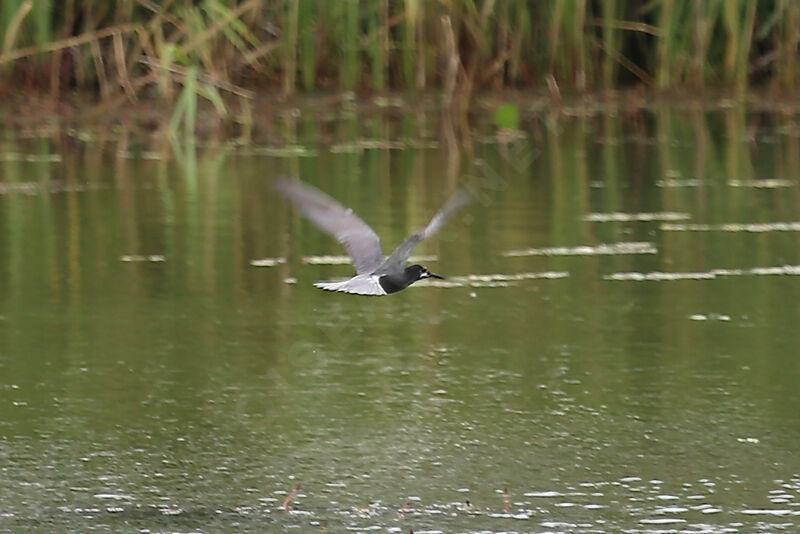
<point>186,107</point>
<point>212,95</point>
<point>14,25</point>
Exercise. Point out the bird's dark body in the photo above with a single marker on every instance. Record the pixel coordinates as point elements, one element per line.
<point>392,283</point>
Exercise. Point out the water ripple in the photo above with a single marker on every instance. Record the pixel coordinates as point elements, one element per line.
<point>790,226</point>
<point>491,280</point>
<point>643,216</point>
<point>658,276</point>
<point>588,250</point>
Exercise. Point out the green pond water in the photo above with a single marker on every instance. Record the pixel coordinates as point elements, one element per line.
<point>616,348</point>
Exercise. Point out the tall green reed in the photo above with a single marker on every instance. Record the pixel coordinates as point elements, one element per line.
<point>409,41</point>
<point>377,42</point>
<point>611,10</point>
<point>306,27</point>
<point>788,45</point>
<point>739,20</point>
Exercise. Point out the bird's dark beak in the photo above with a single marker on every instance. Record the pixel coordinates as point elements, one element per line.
<point>433,275</point>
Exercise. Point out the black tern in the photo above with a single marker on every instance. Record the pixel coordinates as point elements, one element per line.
<point>375,275</point>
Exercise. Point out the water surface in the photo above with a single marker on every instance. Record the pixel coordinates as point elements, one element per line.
<point>615,348</point>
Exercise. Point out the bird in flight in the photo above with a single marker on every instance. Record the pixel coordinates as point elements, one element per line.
<point>375,275</point>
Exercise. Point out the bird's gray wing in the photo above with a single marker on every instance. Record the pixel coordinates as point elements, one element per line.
<point>361,242</point>
<point>397,261</point>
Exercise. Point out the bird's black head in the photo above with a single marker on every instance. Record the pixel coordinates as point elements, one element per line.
<point>418,272</point>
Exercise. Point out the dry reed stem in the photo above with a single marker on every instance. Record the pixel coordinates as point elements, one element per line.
<point>216,28</point>
<point>405,508</point>
<point>252,55</point>
<point>485,44</point>
<point>453,61</point>
<point>625,62</point>
<point>60,45</point>
<point>138,83</point>
<point>100,69</point>
<point>161,12</point>
<point>628,25</point>
<point>203,78</point>
<point>122,71</point>
<point>289,498</point>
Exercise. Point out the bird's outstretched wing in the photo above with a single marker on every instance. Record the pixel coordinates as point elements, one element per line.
<point>361,242</point>
<point>397,261</point>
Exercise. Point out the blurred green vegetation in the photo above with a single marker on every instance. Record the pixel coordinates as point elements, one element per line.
<point>124,47</point>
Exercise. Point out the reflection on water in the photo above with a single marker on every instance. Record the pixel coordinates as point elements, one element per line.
<point>154,376</point>
<point>791,270</point>
<point>792,226</point>
<point>587,250</point>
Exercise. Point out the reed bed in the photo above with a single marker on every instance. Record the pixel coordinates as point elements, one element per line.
<point>226,50</point>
